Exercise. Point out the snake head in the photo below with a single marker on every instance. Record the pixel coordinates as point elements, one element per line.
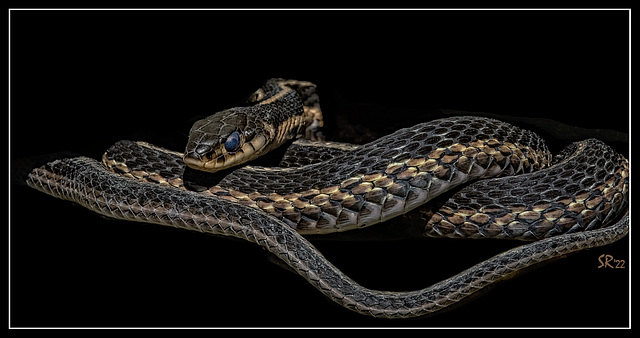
<point>225,139</point>
<point>279,111</point>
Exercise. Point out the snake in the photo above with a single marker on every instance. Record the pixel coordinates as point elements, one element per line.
<point>494,180</point>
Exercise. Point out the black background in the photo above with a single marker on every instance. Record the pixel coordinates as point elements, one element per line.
<point>81,80</point>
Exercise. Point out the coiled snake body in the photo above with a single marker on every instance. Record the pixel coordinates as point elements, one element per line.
<point>565,207</point>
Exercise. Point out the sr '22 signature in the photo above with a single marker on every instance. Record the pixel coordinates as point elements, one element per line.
<point>607,261</point>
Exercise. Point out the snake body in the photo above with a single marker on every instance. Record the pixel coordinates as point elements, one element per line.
<point>567,206</point>
<point>391,176</point>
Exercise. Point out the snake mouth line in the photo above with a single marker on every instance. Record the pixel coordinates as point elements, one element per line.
<point>222,159</point>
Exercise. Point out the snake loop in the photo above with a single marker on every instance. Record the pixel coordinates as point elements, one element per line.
<point>513,190</point>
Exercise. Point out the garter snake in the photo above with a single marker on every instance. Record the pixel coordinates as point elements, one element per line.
<point>562,206</point>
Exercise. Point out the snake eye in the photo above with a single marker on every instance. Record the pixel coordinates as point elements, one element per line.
<point>233,142</point>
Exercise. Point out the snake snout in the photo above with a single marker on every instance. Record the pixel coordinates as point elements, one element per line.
<point>199,153</point>
<point>203,150</point>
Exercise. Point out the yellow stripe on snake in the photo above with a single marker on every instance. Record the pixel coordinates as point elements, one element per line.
<point>507,187</point>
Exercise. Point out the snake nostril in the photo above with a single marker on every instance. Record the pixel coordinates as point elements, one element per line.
<point>202,150</point>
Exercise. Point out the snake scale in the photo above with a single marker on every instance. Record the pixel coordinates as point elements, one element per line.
<point>514,190</point>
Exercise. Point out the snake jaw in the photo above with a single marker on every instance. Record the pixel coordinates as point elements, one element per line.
<point>220,159</point>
